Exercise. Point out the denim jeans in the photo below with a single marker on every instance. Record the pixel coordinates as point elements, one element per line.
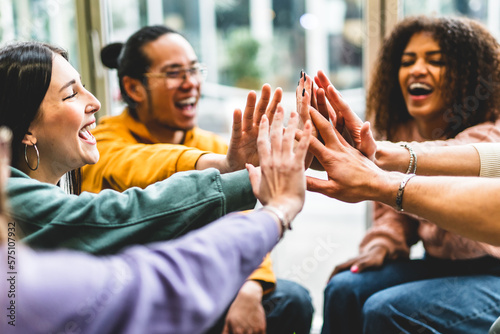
<point>415,296</point>
<point>288,310</point>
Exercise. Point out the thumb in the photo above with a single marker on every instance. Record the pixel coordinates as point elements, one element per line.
<point>255,176</point>
<point>368,144</point>
<point>316,185</point>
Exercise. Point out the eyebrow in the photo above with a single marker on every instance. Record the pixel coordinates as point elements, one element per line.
<point>168,66</point>
<point>69,83</point>
<point>428,53</point>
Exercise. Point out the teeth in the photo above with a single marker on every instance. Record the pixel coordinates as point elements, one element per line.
<point>88,128</point>
<point>417,85</point>
<point>189,100</point>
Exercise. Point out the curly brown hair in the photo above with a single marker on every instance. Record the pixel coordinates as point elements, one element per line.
<point>470,86</point>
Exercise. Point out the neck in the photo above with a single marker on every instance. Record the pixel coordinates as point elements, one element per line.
<point>431,130</point>
<point>165,134</point>
<point>41,174</point>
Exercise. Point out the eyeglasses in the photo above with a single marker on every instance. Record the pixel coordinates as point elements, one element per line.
<point>175,77</point>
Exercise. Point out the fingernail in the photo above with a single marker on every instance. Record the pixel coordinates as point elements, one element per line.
<point>354,269</point>
<point>303,91</point>
<point>302,71</point>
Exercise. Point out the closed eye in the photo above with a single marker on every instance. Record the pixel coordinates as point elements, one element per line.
<point>70,96</point>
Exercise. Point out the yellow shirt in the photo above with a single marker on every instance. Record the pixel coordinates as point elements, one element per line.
<point>131,157</point>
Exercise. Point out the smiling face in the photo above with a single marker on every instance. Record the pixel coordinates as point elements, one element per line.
<point>421,78</point>
<point>61,130</point>
<point>173,108</point>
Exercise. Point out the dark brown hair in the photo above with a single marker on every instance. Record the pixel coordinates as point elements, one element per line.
<point>25,74</point>
<point>471,89</point>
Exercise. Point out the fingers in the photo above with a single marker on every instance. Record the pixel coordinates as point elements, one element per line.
<point>302,148</point>
<point>249,111</point>
<point>271,110</point>
<point>322,80</point>
<point>226,328</point>
<point>324,127</point>
<point>289,136</point>
<point>263,146</point>
<point>237,125</point>
<point>351,120</point>
<point>323,105</point>
<point>342,267</point>
<point>317,185</point>
<point>265,97</point>
<point>276,133</point>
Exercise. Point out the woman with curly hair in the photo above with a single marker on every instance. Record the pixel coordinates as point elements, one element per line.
<point>436,82</point>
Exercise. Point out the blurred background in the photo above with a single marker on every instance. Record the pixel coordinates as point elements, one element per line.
<point>246,43</point>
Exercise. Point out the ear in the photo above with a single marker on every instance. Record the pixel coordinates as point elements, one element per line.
<point>29,139</point>
<point>135,89</point>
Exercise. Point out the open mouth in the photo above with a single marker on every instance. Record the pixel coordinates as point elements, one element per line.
<point>186,104</point>
<point>419,89</point>
<point>85,133</point>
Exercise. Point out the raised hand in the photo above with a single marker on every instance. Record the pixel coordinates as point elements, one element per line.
<point>359,132</point>
<point>351,175</point>
<point>280,182</point>
<point>243,143</point>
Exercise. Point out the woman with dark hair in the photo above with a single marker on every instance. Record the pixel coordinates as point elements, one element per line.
<point>51,115</point>
<point>436,82</point>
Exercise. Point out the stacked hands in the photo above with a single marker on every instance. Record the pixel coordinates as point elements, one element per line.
<point>330,137</point>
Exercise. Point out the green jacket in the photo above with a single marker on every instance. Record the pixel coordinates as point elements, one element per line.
<point>103,223</point>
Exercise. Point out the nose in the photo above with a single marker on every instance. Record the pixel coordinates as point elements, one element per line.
<point>93,104</point>
<point>189,80</point>
<point>418,68</point>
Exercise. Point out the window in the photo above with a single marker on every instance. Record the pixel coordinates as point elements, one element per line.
<point>52,21</point>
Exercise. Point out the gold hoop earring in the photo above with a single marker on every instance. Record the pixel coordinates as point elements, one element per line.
<point>37,157</point>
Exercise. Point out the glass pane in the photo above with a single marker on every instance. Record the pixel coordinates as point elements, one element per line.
<point>485,11</point>
<point>42,20</point>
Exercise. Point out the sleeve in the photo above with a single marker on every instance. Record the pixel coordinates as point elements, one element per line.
<point>125,163</point>
<point>108,221</point>
<point>393,230</point>
<point>264,274</point>
<point>482,133</point>
<point>489,156</point>
<point>178,287</point>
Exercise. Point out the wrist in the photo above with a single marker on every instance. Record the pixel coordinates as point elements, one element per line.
<point>283,214</point>
<point>391,157</point>
<point>252,289</point>
<point>385,187</point>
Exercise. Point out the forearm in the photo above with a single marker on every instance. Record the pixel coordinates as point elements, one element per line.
<point>461,160</point>
<point>459,204</point>
<point>212,160</point>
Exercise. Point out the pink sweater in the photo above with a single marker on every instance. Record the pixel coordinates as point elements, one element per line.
<point>398,231</point>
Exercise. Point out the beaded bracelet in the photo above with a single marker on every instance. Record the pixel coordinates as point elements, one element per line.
<point>401,190</point>
<point>412,167</point>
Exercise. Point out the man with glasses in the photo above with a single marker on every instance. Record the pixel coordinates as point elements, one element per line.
<point>156,135</point>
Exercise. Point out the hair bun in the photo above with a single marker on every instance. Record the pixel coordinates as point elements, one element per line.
<point>110,54</point>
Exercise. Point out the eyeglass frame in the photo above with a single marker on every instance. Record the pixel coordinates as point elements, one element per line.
<point>200,68</point>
